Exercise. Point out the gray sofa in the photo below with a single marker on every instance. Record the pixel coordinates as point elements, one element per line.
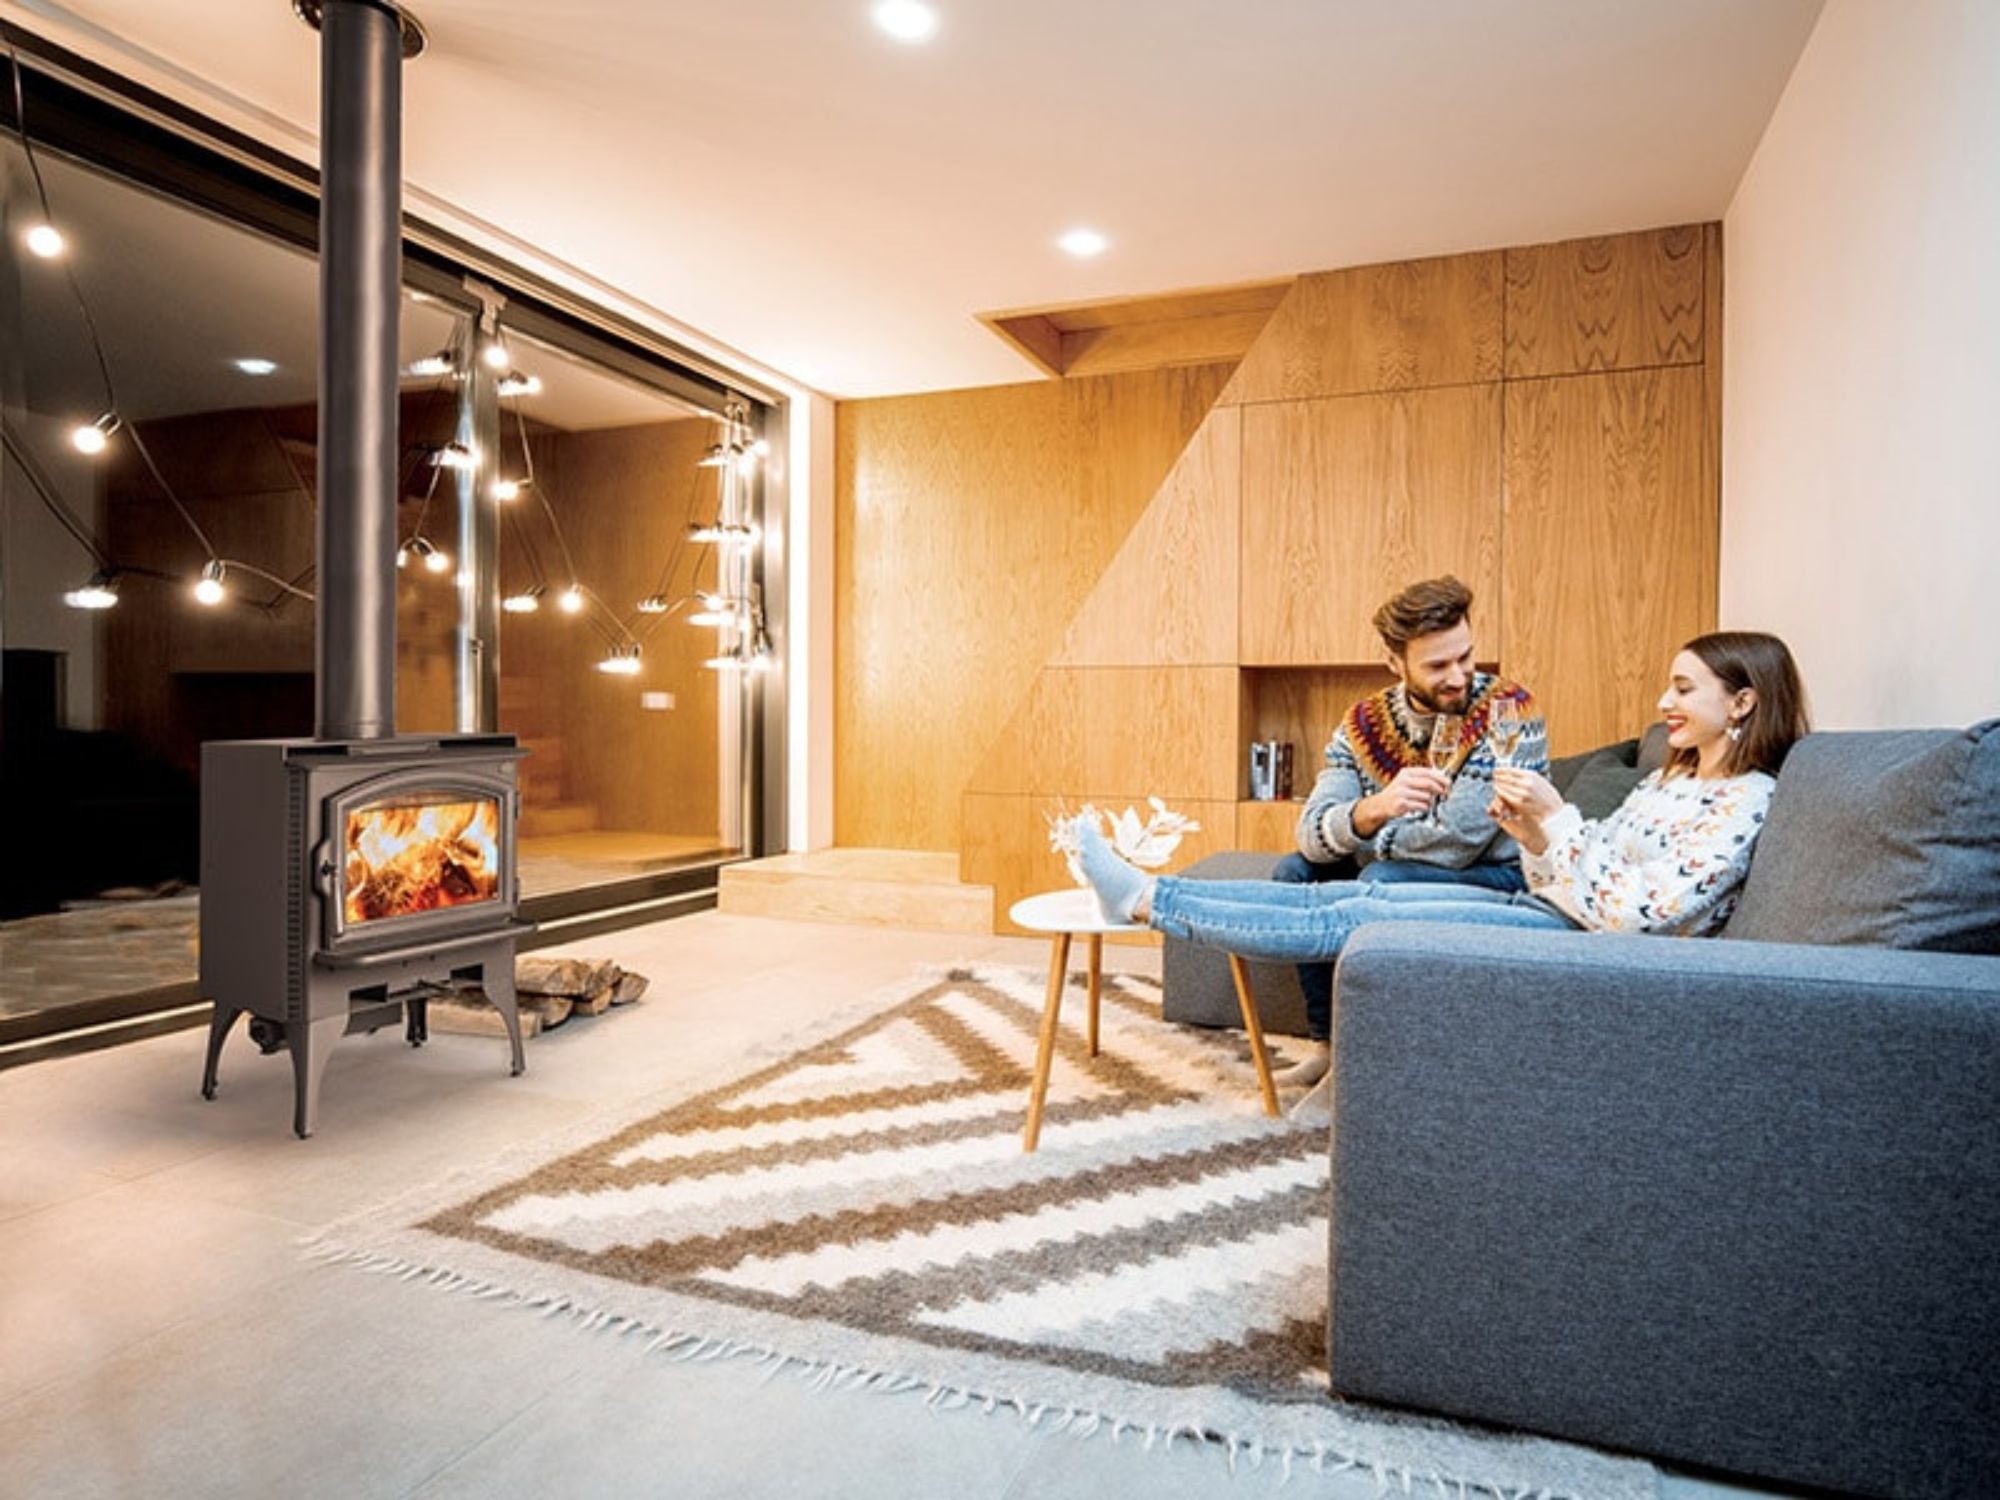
<point>1734,1203</point>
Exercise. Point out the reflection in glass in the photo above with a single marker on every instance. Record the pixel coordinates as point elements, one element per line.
<point>628,734</point>
<point>158,517</point>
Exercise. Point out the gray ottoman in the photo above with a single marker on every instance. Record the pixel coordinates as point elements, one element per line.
<point>1196,988</point>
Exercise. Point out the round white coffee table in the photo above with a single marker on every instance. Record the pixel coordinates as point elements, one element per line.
<point>1072,914</point>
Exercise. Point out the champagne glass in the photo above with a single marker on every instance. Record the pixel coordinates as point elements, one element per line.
<point>1447,730</point>
<point>1503,730</point>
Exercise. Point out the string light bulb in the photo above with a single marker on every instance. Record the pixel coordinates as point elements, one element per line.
<point>527,602</point>
<point>514,383</point>
<point>717,609</point>
<point>716,457</point>
<point>495,356</point>
<point>508,489</point>
<point>621,661</point>
<point>209,588</point>
<point>92,438</point>
<point>724,532</point>
<point>459,456</point>
<point>46,241</point>
<point>432,365</point>
<point>570,600</point>
<point>100,593</point>
<point>654,604</point>
<point>434,558</point>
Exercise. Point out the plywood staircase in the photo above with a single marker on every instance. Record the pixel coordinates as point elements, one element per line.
<point>868,887</point>
<point>546,807</point>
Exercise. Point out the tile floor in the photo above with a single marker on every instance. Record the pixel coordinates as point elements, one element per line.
<point>161,1335</point>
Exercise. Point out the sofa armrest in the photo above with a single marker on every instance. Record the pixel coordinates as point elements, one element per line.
<point>1727,1202</point>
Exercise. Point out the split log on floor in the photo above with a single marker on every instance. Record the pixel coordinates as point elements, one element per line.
<point>475,1016</point>
<point>553,1009</point>
<point>630,987</point>
<point>596,1003</point>
<point>564,976</point>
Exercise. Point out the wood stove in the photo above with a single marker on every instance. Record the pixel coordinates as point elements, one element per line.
<point>346,878</point>
<point>343,883</point>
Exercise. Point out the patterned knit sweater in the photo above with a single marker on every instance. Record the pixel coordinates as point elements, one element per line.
<point>1671,859</point>
<point>1380,735</point>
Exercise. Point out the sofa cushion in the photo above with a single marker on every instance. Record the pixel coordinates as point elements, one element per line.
<point>1888,837</point>
<point>1652,749</point>
<point>1602,782</point>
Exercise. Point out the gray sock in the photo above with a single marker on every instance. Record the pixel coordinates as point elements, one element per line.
<point>1119,887</point>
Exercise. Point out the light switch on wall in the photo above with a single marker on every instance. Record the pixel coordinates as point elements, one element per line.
<point>659,702</point>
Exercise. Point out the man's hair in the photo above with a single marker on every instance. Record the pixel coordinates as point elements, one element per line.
<point>1422,609</point>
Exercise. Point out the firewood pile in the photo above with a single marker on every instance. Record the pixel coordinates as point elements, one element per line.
<point>549,990</point>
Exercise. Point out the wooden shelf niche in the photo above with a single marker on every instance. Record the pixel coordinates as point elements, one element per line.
<point>1209,325</point>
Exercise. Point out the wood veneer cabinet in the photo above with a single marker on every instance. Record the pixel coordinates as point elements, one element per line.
<point>1541,421</point>
<point>1347,499</point>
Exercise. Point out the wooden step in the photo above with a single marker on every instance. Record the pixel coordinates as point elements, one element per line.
<point>867,887</point>
<point>544,766</point>
<point>541,820</point>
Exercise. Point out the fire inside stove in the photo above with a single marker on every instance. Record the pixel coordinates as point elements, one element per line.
<point>413,856</point>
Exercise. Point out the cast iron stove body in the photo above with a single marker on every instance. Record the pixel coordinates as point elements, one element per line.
<point>343,883</point>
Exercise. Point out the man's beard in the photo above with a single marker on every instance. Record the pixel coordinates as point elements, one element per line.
<point>1430,705</point>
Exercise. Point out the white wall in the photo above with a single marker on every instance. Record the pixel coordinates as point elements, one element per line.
<point>1861,374</point>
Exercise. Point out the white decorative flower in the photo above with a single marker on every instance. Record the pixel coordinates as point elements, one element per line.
<point>1149,845</point>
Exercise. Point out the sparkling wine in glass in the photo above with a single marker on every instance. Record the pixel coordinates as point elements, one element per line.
<point>1503,730</point>
<point>1446,732</point>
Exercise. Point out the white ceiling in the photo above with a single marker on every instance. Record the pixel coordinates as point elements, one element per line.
<point>781,176</point>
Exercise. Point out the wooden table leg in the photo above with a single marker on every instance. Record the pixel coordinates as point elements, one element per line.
<point>1240,972</point>
<point>1096,974</point>
<point>1045,1045</point>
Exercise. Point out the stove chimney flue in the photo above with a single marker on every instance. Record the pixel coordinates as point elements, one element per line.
<point>362,45</point>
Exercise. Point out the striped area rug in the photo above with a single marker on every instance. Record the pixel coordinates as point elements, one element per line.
<point>862,1211</point>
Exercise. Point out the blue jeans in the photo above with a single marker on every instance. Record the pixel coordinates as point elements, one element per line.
<point>1316,979</point>
<point>1269,920</point>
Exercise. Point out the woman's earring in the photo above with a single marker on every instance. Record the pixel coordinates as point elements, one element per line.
<point>1734,730</point>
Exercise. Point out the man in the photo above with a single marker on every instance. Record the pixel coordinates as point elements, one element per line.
<point>1381,807</point>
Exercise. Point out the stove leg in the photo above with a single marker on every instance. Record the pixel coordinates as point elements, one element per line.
<point>497,979</point>
<point>417,1029</point>
<point>311,1043</point>
<point>219,1023</point>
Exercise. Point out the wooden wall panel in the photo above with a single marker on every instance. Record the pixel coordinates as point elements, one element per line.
<point>969,527</point>
<point>1007,842</point>
<point>1376,328</point>
<point>1268,827</point>
<point>1611,544</point>
<point>1618,302</point>
<point>1345,501</point>
<point>1171,730</point>
<point>1169,596</point>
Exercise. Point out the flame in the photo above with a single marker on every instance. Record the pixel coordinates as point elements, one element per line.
<point>411,857</point>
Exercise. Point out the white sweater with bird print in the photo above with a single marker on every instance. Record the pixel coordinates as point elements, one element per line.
<point>1671,859</point>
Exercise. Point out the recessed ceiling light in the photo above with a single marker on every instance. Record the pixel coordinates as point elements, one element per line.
<point>1084,243</point>
<point>255,366</point>
<point>906,20</point>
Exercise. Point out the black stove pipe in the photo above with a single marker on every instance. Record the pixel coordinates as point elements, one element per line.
<point>360,275</point>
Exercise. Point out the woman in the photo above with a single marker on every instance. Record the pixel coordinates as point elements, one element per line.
<point>1670,860</point>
